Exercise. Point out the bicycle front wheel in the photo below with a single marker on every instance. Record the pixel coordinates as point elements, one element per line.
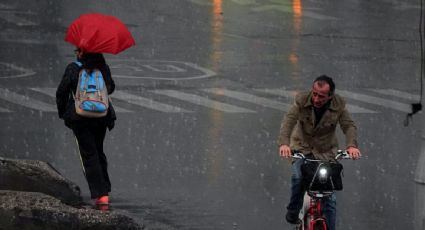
<point>320,225</point>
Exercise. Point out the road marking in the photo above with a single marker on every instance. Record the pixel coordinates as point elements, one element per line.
<point>25,101</point>
<point>126,66</point>
<point>406,108</point>
<point>279,92</point>
<point>3,110</point>
<point>25,72</point>
<point>401,5</point>
<point>249,39</point>
<point>250,98</point>
<point>27,41</point>
<point>171,66</point>
<point>52,93</point>
<point>147,102</point>
<point>4,6</point>
<point>397,93</point>
<point>201,2</point>
<point>167,69</point>
<point>164,68</point>
<point>289,9</point>
<point>202,101</point>
<point>245,2</point>
<point>12,18</point>
<point>291,94</point>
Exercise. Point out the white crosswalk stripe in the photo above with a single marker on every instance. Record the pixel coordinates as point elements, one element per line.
<point>406,108</point>
<point>291,94</point>
<point>147,103</point>
<point>25,101</point>
<point>202,101</point>
<point>12,17</point>
<point>47,91</point>
<point>254,97</point>
<point>3,110</point>
<point>52,93</point>
<point>250,98</point>
<point>397,93</point>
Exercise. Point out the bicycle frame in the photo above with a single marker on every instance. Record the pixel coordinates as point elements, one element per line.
<point>313,218</point>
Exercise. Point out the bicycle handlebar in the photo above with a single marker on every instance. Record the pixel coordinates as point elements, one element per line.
<point>341,154</point>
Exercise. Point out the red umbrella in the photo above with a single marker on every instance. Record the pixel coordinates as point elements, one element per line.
<point>98,33</point>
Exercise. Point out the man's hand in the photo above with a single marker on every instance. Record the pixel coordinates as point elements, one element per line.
<point>285,151</point>
<point>354,153</point>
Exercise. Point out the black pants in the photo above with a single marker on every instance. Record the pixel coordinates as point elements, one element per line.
<point>90,142</point>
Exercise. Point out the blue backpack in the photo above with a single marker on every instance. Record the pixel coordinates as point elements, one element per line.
<point>91,96</point>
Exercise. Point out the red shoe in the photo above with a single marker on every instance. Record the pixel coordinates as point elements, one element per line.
<point>101,200</point>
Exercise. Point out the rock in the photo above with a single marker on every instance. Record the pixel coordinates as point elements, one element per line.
<point>37,176</point>
<point>33,210</point>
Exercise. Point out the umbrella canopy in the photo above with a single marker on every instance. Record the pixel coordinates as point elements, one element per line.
<point>98,33</point>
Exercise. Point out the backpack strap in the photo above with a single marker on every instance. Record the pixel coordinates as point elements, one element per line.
<point>97,83</point>
<point>78,63</point>
<point>86,84</point>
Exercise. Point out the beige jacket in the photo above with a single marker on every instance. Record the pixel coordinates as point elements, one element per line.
<point>297,129</point>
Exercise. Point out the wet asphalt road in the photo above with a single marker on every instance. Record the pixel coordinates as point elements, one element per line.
<point>216,75</point>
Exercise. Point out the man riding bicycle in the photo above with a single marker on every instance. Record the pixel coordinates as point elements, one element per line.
<point>310,127</point>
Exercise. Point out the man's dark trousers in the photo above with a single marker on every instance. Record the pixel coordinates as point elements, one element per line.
<point>90,142</point>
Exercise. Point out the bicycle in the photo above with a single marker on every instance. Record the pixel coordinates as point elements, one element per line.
<point>321,185</point>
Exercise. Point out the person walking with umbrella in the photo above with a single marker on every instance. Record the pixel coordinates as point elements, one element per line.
<point>92,34</point>
<point>89,132</point>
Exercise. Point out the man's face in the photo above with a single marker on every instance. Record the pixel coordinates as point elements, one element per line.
<point>320,94</point>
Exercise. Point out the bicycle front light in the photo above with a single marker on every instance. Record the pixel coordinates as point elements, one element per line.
<point>323,175</point>
<point>323,172</point>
